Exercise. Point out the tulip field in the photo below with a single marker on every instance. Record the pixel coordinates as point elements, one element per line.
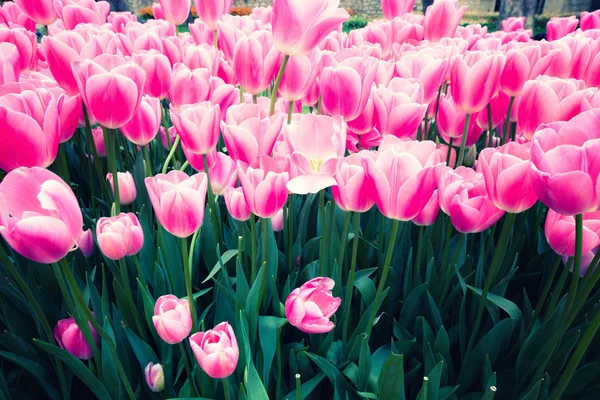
<point>265,207</point>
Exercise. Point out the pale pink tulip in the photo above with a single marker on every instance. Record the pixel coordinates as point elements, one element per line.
<point>300,74</point>
<point>60,50</point>
<point>211,11</point>
<point>127,191</point>
<point>216,350</point>
<point>119,236</point>
<point>69,337</point>
<point>560,232</point>
<point>353,190</point>
<point>560,27</point>
<point>9,63</point>
<point>154,376</point>
<point>74,12</point>
<point>395,8</point>
<point>442,19</point>
<point>198,126</point>
<point>26,43</point>
<point>451,123</point>
<point>310,307</point>
<point>175,11</point>
<point>264,190</point>
<point>12,14</point>
<point>143,126</point>
<point>430,71</point>
<point>236,204</point>
<point>189,87</point>
<point>172,318</point>
<point>255,61</point>
<point>513,24</point>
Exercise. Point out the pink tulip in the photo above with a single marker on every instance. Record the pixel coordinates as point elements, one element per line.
<point>395,8</point>
<point>250,132</point>
<point>127,191</point>
<point>264,190</point>
<point>464,198</point>
<point>154,376</point>
<point>429,213</point>
<point>200,56</point>
<point>158,73</point>
<point>60,51</point>
<point>565,164</point>
<point>589,20</point>
<point>516,72</point>
<point>198,126</point>
<point>442,19</point>
<point>69,337</point>
<point>9,63</point>
<point>216,350</point>
<point>560,27</point>
<point>299,75</point>
<point>507,176</point>
<point>211,11</point>
<point>120,19</point>
<point>98,137</point>
<point>70,114</point>
<point>310,306</point>
<point>30,119</point>
<point>189,87</point>
<point>475,79</point>
<point>41,11</point>
<point>175,11</point>
<point>560,232</point>
<point>178,201</point>
<point>201,33</point>
<point>222,169</point>
<point>236,204</point>
<point>513,24</point>
<point>119,236</point>
<point>499,108</point>
<point>26,43</point>
<point>163,136</point>
<point>400,109</point>
<point>311,22</point>
<point>39,214</point>
<point>74,12</point>
<point>110,87</point>
<point>404,175</point>
<point>143,126</point>
<point>255,61</point>
<point>428,70</point>
<point>316,143</point>
<point>12,14</point>
<point>86,243</point>
<point>353,190</point>
<point>451,123</point>
<point>172,318</point>
<point>157,11</point>
<point>277,221</point>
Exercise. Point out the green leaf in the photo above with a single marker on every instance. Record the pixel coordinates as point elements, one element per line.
<point>267,333</point>
<point>36,370</point>
<point>335,376</point>
<point>307,387</point>
<point>391,378</point>
<point>109,369</point>
<point>256,390</point>
<point>142,350</point>
<point>228,255</point>
<point>582,377</point>
<point>253,303</point>
<point>78,368</point>
<point>533,393</point>
<point>434,379</point>
<point>511,308</point>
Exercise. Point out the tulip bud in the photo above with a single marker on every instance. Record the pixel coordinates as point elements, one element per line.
<point>98,137</point>
<point>155,378</point>
<point>310,306</point>
<point>216,350</point>
<point>236,204</point>
<point>127,191</point>
<point>86,243</point>
<point>277,221</point>
<point>470,156</point>
<point>69,337</point>
<point>172,318</point>
<point>119,236</point>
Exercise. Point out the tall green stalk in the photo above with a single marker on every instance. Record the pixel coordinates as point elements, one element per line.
<point>463,142</point>
<point>188,282</point>
<point>214,214</point>
<point>276,84</point>
<point>350,283</point>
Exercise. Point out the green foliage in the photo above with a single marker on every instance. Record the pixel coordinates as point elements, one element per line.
<point>355,22</point>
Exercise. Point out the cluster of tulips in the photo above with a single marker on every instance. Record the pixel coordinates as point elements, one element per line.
<point>261,115</point>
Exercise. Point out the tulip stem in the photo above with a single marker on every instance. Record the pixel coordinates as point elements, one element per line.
<point>148,166</point>
<point>290,112</point>
<point>291,208</point>
<point>265,241</point>
<point>576,264</point>
<point>507,120</point>
<point>254,99</point>
<point>109,141</point>
<point>490,123</point>
<point>419,249</point>
<point>384,274</point>
<point>214,216</point>
<point>92,145</point>
<point>81,304</point>
<point>170,156</point>
<point>166,126</point>
<point>61,164</point>
<point>323,258</point>
<point>298,387</point>
<point>449,154</point>
<point>215,38</point>
<point>132,306</point>
<point>254,248</point>
<point>463,141</point>
<point>435,116</point>
<point>188,369</point>
<point>276,84</point>
<point>495,265</point>
<point>343,240</point>
<point>350,282</point>
<point>188,283</point>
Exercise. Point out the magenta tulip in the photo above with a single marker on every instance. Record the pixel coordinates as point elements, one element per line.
<point>142,128</point>
<point>222,169</point>
<point>589,20</point>
<point>172,319</point>
<point>442,19</point>
<point>158,73</point>
<point>26,43</point>
<point>395,8</point>
<point>198,126</point>
<point>560,27</point>
<point>41,11</point>
<point>429,213</point>
<point>255,61</point>
<point>211,11</point>
<point>127,191</point>
<point>75,12</point>
<point>60,50</point>
<point>560,232</point>
<point>154,376</point>
<point>236,204</point>
<point>310,306</point>
<point>264,190</point>
<point>353,190</point>
<point>216,350</point>
<point>86,243</point>
<point>299,75</point>
<point>189,87</point>
<point>451,123</point>
<point>98,136</point>
<point>69,337</point>
<point>119,236</point>
<point>12,14</point>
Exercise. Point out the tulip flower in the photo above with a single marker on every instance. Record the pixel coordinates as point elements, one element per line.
<point>211,11</point>
<point>222,169</point>
<point>41,11</point>
<point>589,20</point>
<point>310,306</point>
<point>158,73</point>
<point>39,214</point>
<point>60,50</point>
<point>175,11</point>
<point>429,213</point>
<point>451,123</point>
<point>12,14</point>
<point>353,190</point>
<point>69,337</point>
<point>428,70</point>
<point>464,198</point>
<point>26,43</point>
<point>560,232</point>
<point>127,191</point>
<point>264,190</point>
<point>311,24</point>
<point>142,128</point>
<point>400,109</point>
<point>86,243</point>
<point>395,8</point>
<point>499,110</point>
<point>198,126</point>
<point>513,24</point>
<point>299,76</point>
<point>74,12</point>
<point>560,27</point>
<point>255,61</point>
<point>216,350</point>
<point>442,19</point>
<point>404,175</point>
<point>178,201</point>
<point>110,87</point>
<point>236,204</point>
<point>98,137</point>
<point>172,318</point>
<point>565,164</point>
<point>507,176</point>
<point>155,378</point>
<point>189,87</point>
<point>119,236</point>
<point>9,63</point>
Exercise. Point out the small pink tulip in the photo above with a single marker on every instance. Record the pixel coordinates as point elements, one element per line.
<point>464,198</point>
<point>98,136</point>
<point>236,204</point>
<point>451,123</point>
<point>12,14</point>
<point>74,12</point>
<point>143,126</point>
<point>560,232</point>
<point>120,19</point>
<point>395,8</point>
<point>255,61</point>
<point>178,201</point>
<point>404,175</point>
<point>157,11</point>
<point>40,217</point>
<point>175,11</point>
<point>70,114</point>
<point>26,43</point>
<point>353,191</point>
<point>41,11</point>
<point>172,318</point>
<point>216,350</point>
<point>200,56</point>
<point>222,169</point>
<point>516,72</point>
<point>111,88</point>
<point>60,50</point>
<point>163,136</point>
<point>310,306</point>
<point>86,243</point>
<point>499,109</point>
<point>119,236</point>
<point>158,73</point>
<point>589,20</point>
<point>429,213</point>
<point>311,24</point>
<point>277,221</point>
<point>565,164</point>
<point>69,337</point>
<point>560,27</point>
<point>430,71</point>
<point>400,109</point>
<point>198,126</point>
<point>9,63</point>
<point>513,24</point>
<point>264,190</point>
<point>127,191</point>
<point>507,176</point>
<point>155,378</point>
<point>211,11</point>
<point>189,87</point>
<point>299,75</point>
<point>442,19</point>
<point>201,33</point>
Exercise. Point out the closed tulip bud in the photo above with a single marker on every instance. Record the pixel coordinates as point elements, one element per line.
<point>127,191</point>
<point>442,19</point>
<point>155,378</point>
<point>470,157</point>
<point>395,8</point>
<point>589,20</point>
<point>400,109</point>
<point>310,306</point>
<point>255,61</point>
<point>98,137</point>
<point>178,201</point>
<point>560,232</point>
<point>236,204</point>
<point>86,243</point>
<point>75,12</point>
<point>277,221</point>
<point>430,71</point>
<point>175,11</point>
<point>172,318</point>
<point>69,337</point>
<point>26,43</point>
<point>198,126</point>
<point>264,190</point>
<point>354,191</point>
<point>299,75</point>
<point>557,27</point>
<point>513,24</point>
<point>216,350</point>
<point>40,217</point>
<point>143,126</point>
<point>119,236</point>
<point>41,11</point>
<point>60,50</point>
<point>211,11</point>
<point>158,73</point>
